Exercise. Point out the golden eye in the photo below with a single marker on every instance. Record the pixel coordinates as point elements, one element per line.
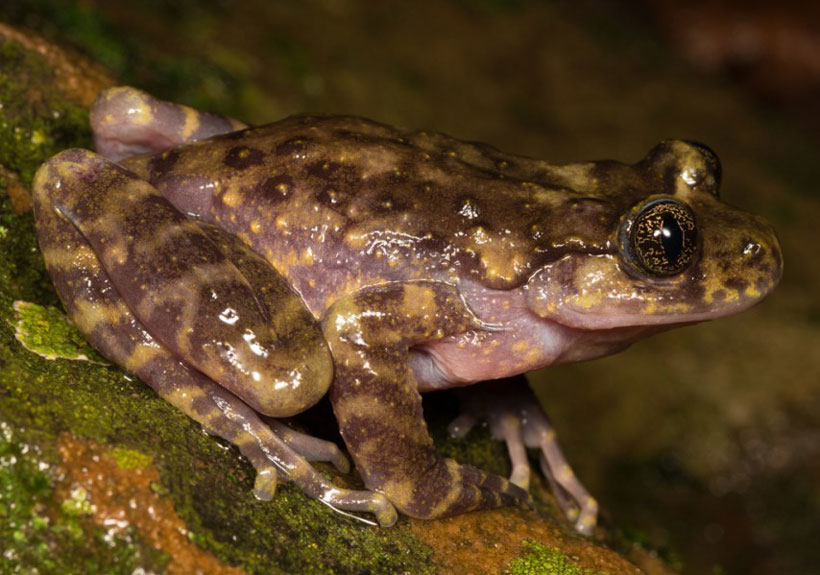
<point>662,238</point>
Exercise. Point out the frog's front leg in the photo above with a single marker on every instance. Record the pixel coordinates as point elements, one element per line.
<point>127,122</point>
<point>81,252</point>
<point>378,406</point>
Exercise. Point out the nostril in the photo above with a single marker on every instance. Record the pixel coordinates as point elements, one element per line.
<point>752,249</point>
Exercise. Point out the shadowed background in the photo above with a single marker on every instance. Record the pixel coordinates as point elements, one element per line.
<point>703,441</point>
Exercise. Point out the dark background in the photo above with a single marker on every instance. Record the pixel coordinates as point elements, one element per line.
<point>704,441</point>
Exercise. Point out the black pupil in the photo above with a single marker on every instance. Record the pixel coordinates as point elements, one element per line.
<point>671,237</point>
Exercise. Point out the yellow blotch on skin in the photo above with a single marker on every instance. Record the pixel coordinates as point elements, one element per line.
<point>81,256</point>
<point>419,297</point>
<point>117,252</point>
<point>183,399</point>
<point>453,494</point>
<point>752,291</point>
<point>140,115</point>
<point>141,355</point>
<point>521,346</point>
<point>191,124</point>
<point>90,314</point>
<point>232,198</point>
<point>400,492</point>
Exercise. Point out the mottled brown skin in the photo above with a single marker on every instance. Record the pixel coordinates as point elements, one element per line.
<point>378,406</point>
<point>388,262</point>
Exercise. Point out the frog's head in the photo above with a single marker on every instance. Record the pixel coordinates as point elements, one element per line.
<point>676,253</point>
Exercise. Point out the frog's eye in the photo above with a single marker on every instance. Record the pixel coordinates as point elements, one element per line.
<point>662,238</point>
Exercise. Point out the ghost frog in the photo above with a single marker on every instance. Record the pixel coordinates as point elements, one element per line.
<point>245,272</point>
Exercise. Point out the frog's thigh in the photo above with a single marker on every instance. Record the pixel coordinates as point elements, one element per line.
<point>127,122</point>
<point>93,304</point>
<point>179,280</point>
<point>378,406</point>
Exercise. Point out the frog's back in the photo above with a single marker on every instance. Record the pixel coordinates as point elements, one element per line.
<point>322,196</point>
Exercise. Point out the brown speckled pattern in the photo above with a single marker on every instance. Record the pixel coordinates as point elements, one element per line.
<point>393,206</point>
<point>339,203</point>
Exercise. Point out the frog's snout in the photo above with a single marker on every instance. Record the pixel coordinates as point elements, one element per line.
<point>741,260</point>
<point>760,259</point>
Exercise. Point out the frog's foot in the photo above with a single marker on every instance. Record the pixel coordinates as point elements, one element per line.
<point>127,122</point>
<point>378,406</point>
<point>448,488</point>
<point>273,456</point>
<point>515,416</point>
<point>309,447</point>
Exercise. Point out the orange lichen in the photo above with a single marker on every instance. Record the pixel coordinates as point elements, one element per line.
<point>18,194</point>
<point>118,498</point>
<point>483,543</point>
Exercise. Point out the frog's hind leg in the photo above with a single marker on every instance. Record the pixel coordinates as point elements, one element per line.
<point>93,303</point>
<point>378,406</point>
<point>201,293</point>
<point>127,122</point>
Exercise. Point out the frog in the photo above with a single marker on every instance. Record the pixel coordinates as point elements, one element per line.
<point>246,272</point>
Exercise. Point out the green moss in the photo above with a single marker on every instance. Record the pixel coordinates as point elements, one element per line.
<point>130,458</point>
<point>539,559</point>
<point>47,332</point>
<point>77,503</point>
<point>477,448</point>
<point>41,534</point>
<point>34,124</point>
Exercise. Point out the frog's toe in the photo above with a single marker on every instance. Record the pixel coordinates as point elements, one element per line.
<point>495,487</point>
<point>573,498</point>
<point>311,448</point>
<point>272,455</point>
<point>462,425</point>
<point>369,501</point>
<point>264,487</point>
